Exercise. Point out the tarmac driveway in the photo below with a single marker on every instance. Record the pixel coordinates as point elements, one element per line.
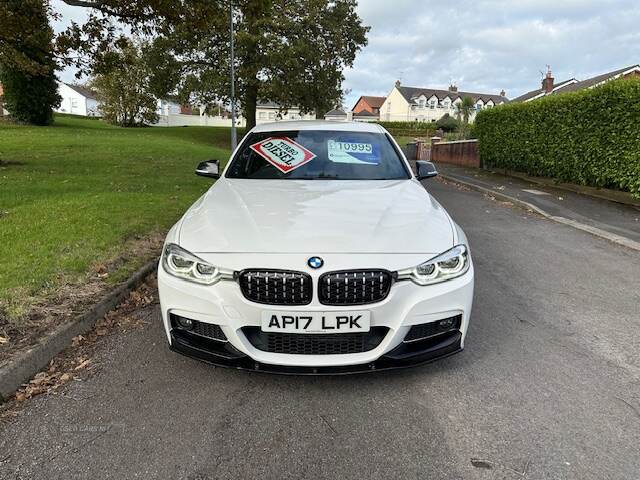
<point>548,386</point>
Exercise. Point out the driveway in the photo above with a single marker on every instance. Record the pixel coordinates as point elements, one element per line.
<point>548,386</point>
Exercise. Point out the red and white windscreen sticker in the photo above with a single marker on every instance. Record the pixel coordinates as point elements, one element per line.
<point>283,153</point>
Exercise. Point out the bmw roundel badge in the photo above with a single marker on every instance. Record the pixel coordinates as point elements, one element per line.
<point>315,262</point>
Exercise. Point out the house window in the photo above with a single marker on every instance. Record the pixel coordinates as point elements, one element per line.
<point>74,103</point>
<point>272,115</point>
<point>262,115</point>
<point>432,104</point>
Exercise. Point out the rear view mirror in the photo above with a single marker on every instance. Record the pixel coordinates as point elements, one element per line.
<point>209,168</point>
<point>425,169</point>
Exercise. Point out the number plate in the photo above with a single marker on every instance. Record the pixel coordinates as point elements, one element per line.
<point>316,322</point>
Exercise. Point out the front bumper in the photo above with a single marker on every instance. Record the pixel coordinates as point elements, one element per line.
<point>406,305</point>
<point>403,356</point>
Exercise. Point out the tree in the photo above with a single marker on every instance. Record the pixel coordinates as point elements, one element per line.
<point>292,51</point>
<point>124,91</point>
<point>323,39</point>
<point>447,123</point>
<point>464,109</point>
<point>27,61</point>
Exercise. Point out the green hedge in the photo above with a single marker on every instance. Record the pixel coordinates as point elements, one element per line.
<point>410,128</point>
<point>591,137</point>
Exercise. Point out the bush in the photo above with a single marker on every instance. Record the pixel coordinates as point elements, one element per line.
<point>447,123</point>
<point>591,137</point>
<point>30,99</point>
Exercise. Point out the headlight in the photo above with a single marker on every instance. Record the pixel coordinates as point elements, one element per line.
<point>450,264</point>
<point>182,264</point>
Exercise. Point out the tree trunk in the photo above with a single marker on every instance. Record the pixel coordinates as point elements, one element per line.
<point>250,102</point>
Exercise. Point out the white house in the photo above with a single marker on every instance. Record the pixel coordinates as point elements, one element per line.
<point>549,87</point>
<point>272,112</point>
<point>168,106</point>
<point>413,104</point>
<point>78,100</point>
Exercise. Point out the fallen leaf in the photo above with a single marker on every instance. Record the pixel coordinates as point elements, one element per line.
<point>65,377</point>
<point>4,340</point>
<point>83,364</point>
<point>20,397</point>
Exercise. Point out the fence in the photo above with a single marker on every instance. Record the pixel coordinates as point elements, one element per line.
<point>417,151</point>
<point>461,152</point>
<point>181,120</point>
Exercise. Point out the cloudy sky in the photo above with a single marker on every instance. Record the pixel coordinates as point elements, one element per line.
<point>483,45</point>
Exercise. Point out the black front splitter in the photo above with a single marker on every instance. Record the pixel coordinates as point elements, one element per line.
<point>406,355</point>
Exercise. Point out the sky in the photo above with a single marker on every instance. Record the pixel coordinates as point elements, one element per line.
<point>481,45</point>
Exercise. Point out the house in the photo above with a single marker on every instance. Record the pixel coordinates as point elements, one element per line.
<point>414,104</point>
<point>336,115</point>
<point>365,116</point>
<point>171,106</point>
<point>78,100</point>
<point>369,104</point>
<point>272,112</point>
<point>549,87</point>
<point>339,115</point>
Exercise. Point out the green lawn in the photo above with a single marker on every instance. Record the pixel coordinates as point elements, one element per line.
<point>73,194</point>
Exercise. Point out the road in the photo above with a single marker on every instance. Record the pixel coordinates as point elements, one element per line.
<point>548,387</point>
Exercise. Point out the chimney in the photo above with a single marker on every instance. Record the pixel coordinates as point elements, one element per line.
<point>503,93</point>
<point>397,83</point>
<point>547,81</point>
<point>453,88</point>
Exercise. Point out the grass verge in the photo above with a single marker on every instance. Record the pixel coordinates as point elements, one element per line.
<point>79,194</point>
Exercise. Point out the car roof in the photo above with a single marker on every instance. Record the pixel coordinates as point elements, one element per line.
<point>318,125</point>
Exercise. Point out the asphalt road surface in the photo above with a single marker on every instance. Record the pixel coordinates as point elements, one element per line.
<point>548,387</point>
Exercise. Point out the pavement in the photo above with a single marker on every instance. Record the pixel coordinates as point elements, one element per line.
<point>616,218</point>
<point>548,386</point>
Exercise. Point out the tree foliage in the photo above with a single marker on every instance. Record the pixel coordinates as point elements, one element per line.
<point>124,91</point>
<point>447,123</point>
<point>591,137</point>
<point>27,61</point>
<point>464,109</point>
<point>289,51</point>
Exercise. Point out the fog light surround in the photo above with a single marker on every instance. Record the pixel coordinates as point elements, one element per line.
<point>447,323</point>
<point>185,323</point>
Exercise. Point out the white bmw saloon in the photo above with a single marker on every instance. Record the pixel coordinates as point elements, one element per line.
<point>316,251</point>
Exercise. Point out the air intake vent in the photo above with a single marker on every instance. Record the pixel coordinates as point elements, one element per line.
<point>432,329</point>
<point>315,344</point>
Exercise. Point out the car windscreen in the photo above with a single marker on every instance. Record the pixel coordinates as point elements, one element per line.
<point>318,155</point>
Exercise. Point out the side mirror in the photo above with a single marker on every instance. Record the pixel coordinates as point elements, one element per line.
<point>209,168</point>
<point>425,169</point>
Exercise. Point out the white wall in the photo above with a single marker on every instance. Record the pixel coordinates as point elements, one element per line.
<point>168,107</point>
<point>263,115</point>
<point>180,120</point>
<point>93,107</point>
